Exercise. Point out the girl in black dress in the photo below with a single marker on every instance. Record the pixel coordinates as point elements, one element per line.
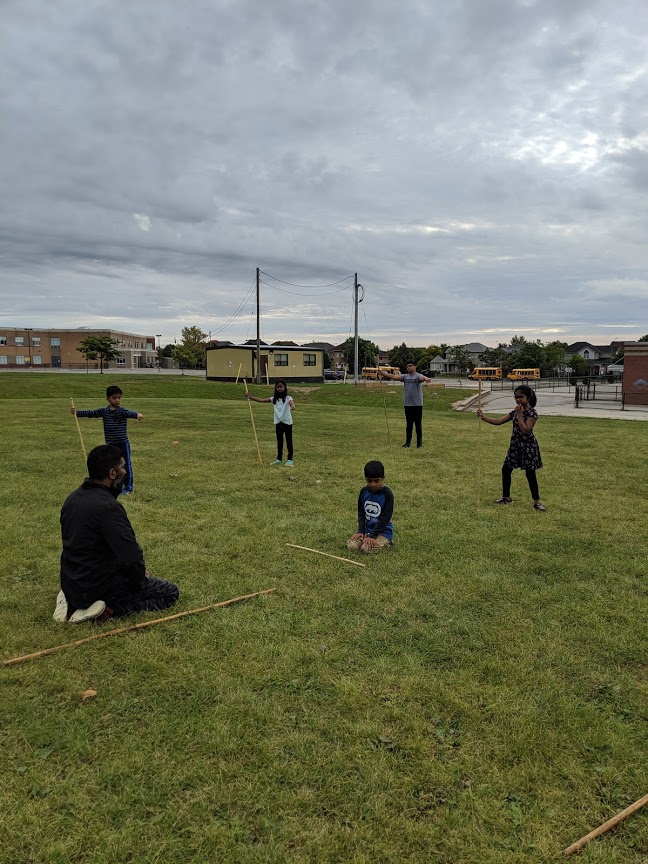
<point>524,451</point>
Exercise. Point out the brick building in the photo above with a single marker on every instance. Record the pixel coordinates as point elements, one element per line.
<point>22,347</point>
<point>635,373</point>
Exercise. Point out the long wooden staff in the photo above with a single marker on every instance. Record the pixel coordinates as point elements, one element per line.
<point>382,388</point>
<point>133,627</point>
<point>85,456</point>
<point>239,372</point>
<point>479,422</point>
<point>611,823</point>
<point>327,555</point>
<point>256,440</point>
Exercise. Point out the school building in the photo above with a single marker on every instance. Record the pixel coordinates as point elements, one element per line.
<point>57,348</point>
<point>227,362</point>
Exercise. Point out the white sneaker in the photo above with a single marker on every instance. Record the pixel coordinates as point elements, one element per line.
<point>89,614</point>
<point>61,610</point>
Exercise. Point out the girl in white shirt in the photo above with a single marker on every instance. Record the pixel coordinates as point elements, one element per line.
<point>283,407</point>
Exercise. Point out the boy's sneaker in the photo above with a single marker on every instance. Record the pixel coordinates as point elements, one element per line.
<point>277,462</point>
<point>407,445</point>
<point>289,463</point>
<point>89,614</point>
<point>539,506</point>
<point>61,610</point>
<point>504,500</point>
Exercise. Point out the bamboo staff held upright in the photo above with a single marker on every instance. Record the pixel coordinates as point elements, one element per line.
<point>412,400</point>
<point>283,408</point>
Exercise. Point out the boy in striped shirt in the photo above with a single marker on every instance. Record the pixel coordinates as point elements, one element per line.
<point>115,419</point>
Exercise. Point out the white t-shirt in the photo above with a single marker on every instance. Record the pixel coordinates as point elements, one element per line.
<point>282,411</point>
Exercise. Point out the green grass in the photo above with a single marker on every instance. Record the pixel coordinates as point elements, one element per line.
<point>477,694</point>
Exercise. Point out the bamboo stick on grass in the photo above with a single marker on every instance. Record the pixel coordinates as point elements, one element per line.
<point>130,627</point>
<point>606,826</point>
<point>327,555</point>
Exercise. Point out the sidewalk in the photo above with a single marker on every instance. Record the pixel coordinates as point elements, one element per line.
<point>558,404</point>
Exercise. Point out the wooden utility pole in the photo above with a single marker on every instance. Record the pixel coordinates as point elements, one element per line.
<point>258,347</point>
<point>355,331</point>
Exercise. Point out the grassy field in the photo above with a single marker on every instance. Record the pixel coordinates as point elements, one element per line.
<point>477,695</point>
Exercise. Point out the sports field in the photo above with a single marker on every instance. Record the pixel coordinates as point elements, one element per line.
<point>477,695</point>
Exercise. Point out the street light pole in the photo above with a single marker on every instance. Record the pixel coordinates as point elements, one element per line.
<point>159,348</point>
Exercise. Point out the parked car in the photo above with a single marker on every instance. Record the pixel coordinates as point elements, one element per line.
<point>334,375</point>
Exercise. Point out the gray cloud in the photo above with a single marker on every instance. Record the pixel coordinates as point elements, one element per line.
<point>483,166</point>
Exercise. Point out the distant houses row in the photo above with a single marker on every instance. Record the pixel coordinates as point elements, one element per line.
<point>56,348</point>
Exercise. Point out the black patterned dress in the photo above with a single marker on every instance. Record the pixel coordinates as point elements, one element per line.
<point>524,451</point>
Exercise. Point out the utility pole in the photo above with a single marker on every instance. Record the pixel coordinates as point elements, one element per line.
<point>355,328</point>
<point>258,347</point>
<point>356,301</point>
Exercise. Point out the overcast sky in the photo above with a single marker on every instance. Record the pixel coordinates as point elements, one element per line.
<point>481,164</point>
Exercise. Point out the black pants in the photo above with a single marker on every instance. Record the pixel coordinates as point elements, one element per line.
<point>156,594</point>
<point>413,416</point>
<point>531,477</point>
<point>282,429</point>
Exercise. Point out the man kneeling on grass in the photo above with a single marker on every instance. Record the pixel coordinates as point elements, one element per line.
<point>102,565</point>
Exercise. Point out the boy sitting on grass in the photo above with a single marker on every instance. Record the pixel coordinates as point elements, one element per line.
<point>375,508</point>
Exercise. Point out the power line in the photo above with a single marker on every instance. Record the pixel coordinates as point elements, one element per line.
<point>239,309</point>
<point>295,285</point>
<point>296,294</point>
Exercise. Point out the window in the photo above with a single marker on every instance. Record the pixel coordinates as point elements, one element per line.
<point>55,342</point>
<point>585,353</point>
<point>310,359</point>
<point>20,340</point>
<point>36,341</point>
<point>3,359</point>
<point>280,359</point>
<point>36,360</point>
<point>20,360</point>
<point>121,361</point>
<point>3,340</point>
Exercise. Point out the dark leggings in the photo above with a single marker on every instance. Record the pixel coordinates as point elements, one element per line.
<point>154,595</point>
<point>284,429</point>
<point>413,415</point>
<point>531,478</point>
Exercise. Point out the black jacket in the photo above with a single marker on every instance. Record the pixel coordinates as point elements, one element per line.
<point>101,556</point>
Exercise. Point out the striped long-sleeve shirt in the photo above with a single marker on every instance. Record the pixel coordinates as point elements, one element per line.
<point>114,422</point>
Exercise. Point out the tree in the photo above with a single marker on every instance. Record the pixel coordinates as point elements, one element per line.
<point>193,347</point>
<point>555,354</point>
<point>495,356</point>
<point>527,355</point>
<point>643,338</point>
<point>99,346</point>
<point>401,355</point>
<point>367,353</point>
<point>183,356</point>
<point>460,357</point>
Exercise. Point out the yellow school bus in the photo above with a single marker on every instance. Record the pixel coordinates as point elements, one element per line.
<point>370,373</point>
<point>486,373</point>
<point>523,374</point>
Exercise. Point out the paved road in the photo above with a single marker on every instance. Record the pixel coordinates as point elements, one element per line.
<point>558,404</point>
